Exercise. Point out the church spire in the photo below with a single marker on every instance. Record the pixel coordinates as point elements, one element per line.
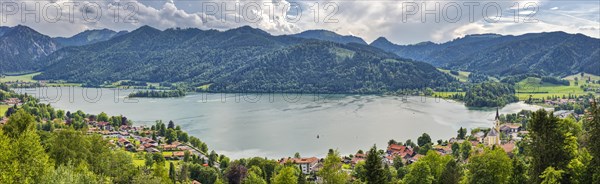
<point>497,114</point>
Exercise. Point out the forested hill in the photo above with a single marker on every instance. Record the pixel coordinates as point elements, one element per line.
<point>88,37</point>
<point>21,46</point>
<point>553,53</point>
<point>240,60</point>
<point>330,36</point>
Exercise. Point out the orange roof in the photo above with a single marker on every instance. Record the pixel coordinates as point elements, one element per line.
<point>300,160</point>
<point>508,147</point>
<point>178,153</point>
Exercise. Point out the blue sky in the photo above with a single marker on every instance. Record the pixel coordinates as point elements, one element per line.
<point>401,22</point>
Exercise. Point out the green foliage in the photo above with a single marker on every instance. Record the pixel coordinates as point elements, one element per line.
<point>375,174</point>
<point>436,164</point>
<point>593,126</point>
<point>157,94</point>
<point>18,123</point>
<point>451,173</point>
<point>203,174</point>
<point>332,173</point>
<point>286,175</point>
<point>491,166</point>
<point>519,173</point>
<point>551,176</point>
<point>254,178</point>
<point>419,173</point>
<point>424,139</point>
<point>31,164</point>
<point>489,94</point>
<point>69,147</point>
<point>547,140</point>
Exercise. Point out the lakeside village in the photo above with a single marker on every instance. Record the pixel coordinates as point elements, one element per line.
<point>173,145</point>
<point>506,133</point>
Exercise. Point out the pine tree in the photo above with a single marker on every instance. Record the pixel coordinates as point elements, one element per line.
<point>374,167</point>
<point>451,173</point>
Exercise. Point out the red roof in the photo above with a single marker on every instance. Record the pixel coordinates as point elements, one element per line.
<point>399,150</point>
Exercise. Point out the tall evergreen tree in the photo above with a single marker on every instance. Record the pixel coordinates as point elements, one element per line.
<point>546,147</point>
<point>594,141</point>
<point>451,173</point>
<point>374,167</point>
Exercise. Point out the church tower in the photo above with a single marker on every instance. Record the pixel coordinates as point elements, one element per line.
<point>493,137</point>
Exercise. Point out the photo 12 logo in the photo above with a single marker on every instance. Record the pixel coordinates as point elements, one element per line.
<point>471,11</point>
<point>69,11</point>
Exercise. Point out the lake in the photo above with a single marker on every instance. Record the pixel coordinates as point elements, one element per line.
<point>279,125</point>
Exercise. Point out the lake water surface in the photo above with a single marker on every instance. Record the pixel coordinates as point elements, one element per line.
<point>278,125</point>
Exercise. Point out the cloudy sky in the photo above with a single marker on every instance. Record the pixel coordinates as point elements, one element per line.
<point>403,22</point>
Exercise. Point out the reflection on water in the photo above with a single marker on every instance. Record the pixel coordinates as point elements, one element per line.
<point>278,125</point>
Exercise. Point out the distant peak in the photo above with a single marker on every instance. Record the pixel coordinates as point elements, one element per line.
<point>247,29</point>
<point>381,40</point>
<point>146,28</point>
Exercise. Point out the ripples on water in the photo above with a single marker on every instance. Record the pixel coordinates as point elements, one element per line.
<point>278,125</point>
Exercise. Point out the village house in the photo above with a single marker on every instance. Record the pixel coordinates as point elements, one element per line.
<point>12,101</point>
<point>358,157</point>
<point>171,147</point>
<point>510,128</point>
<point>306,165</point>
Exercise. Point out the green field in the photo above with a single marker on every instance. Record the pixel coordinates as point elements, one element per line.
<point>462,76</point>
<point>533,87</point>
<point>446,94</point>
<point>3,109</point>
<point>22,78</point>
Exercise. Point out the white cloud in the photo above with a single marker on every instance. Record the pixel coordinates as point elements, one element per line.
<point>367,19</point>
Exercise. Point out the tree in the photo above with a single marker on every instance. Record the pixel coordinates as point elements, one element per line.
<point>32,163</point>
<point>69,147</point>
<point>451,173</point>
<point>172,172</point>
<point>171,136</point>
<point>148,160</point>
<point>424,139</point>
<point>519,173</point>
<point>182,137</point>
<point>296,155</point>
<point>419,173</point>
<point>332,173</point>
<point>465,150</point>
<point>254,178</point>
<point>392,141</point>
<point>374,167</point>
<point>398,163</point>
<point>102,117</point>
<point>18,123</point>
<point>171,125</point>
<point>286,175</point>
<point>593,125</point>
<point>436,163</point>
<point>491,166</point>
<point>546,148</point>
<point>235,173</point>
<point>455,150</point>
<point>8,171</point>
<point>551,176</point>
<point>203,174</point>
<point>462,132</point>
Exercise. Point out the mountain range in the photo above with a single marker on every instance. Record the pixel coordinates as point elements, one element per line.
<point>22,49</point>
<point>552,53</point>
<point>249,59</point>
<point>244,59</point>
